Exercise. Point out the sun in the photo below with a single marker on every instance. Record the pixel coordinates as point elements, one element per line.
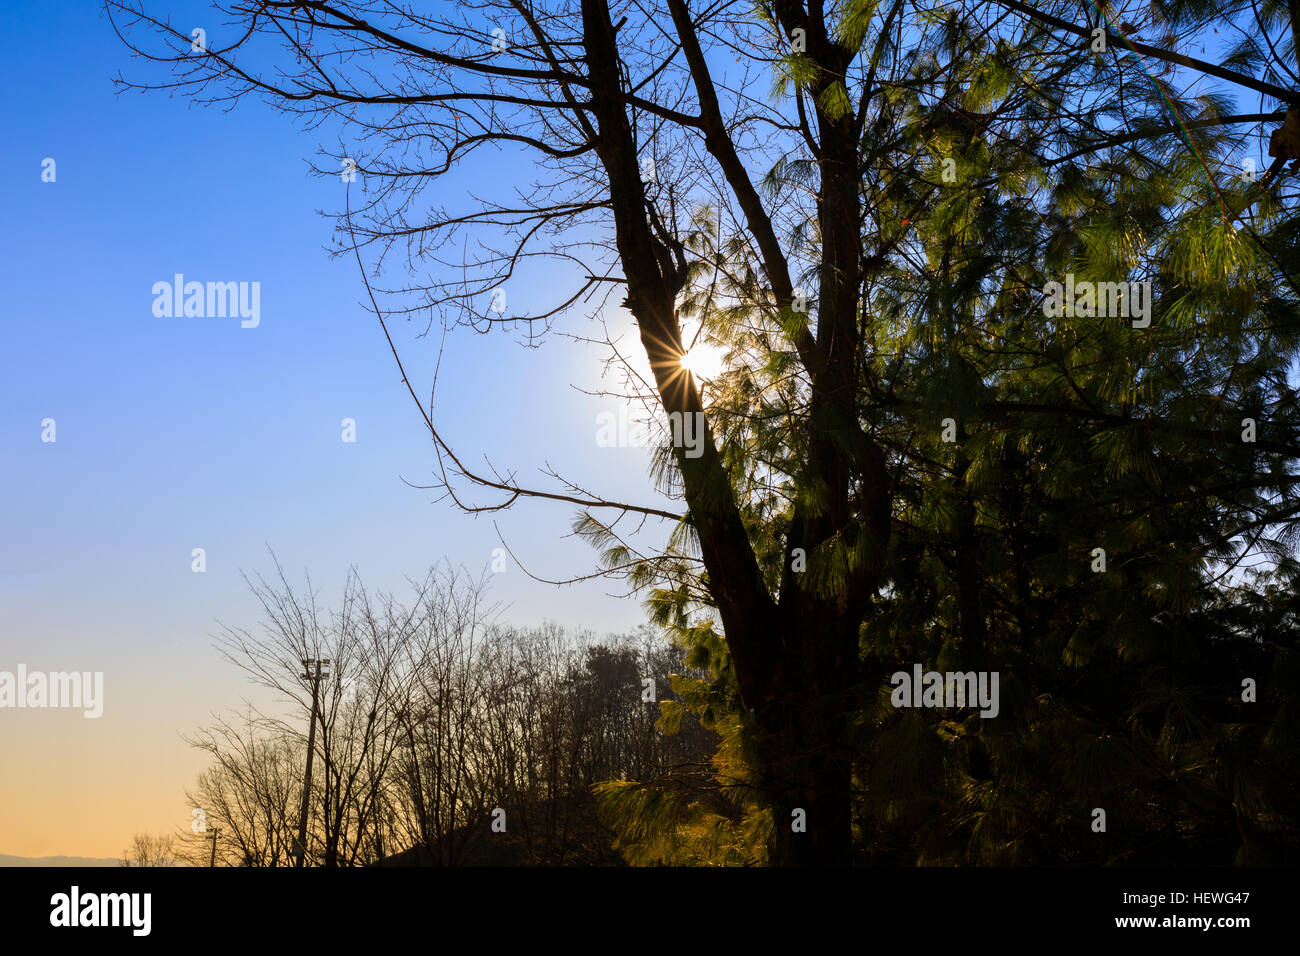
<point>704,361</point>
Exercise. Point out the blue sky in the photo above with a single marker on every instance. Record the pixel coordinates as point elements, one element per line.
<point>180,433</point>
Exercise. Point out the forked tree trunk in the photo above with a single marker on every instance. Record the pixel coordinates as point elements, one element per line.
<point>797,676</point>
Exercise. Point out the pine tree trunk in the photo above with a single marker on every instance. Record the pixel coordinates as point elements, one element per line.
<point>811,803</point>
<point>807,764</point>
<point>796,658</point>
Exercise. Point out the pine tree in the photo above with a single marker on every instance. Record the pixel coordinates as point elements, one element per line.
<point>1075,493</point>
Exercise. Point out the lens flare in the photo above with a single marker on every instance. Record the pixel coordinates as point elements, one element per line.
<point>704,361</point>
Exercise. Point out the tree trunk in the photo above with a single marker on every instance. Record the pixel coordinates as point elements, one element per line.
<point>797,676</point>
<point>809,781</point>
<point>807,764</point>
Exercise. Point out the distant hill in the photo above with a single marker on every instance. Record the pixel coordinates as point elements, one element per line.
<point>572,838</point>
<point>55,861</point>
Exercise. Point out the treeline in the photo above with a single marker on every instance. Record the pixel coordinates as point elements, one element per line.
<point>441,737</point>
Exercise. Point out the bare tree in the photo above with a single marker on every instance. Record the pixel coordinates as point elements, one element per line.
<point>250,794</point>
<point>361,700</point>
<point>149,850</point>
<point>443,717</point>
<point>444,790</point>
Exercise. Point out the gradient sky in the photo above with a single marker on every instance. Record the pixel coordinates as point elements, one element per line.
<point>177,433</point>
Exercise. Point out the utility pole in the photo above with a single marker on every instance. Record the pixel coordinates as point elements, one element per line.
<point>213,861</point>
<point>314,670</point>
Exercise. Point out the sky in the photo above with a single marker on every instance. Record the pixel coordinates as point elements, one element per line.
<point>177,433</point>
